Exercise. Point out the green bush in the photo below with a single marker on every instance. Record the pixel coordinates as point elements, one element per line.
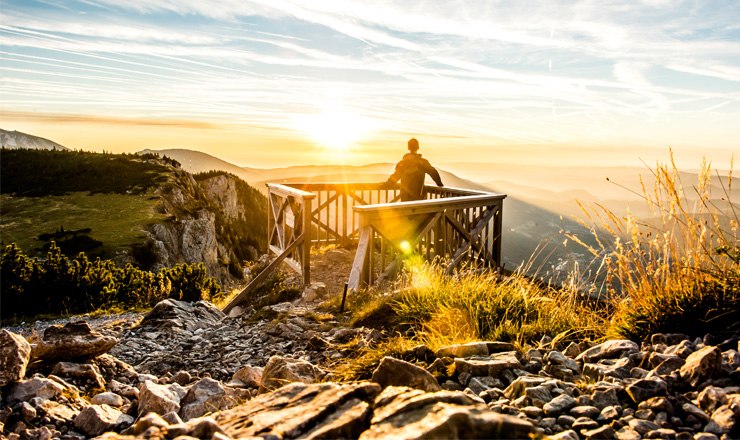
<point>60,285</point>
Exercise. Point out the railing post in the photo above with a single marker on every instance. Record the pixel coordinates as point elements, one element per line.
<point>307,240</point>
<point>498,232</point>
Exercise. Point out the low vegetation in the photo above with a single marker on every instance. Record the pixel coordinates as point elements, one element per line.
<point>61,285</point>
<point>679,273</point>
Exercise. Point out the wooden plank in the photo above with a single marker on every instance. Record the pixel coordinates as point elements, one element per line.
<point>261,276</point>
<point>355,276</point>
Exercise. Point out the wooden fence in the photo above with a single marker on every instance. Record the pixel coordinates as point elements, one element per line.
<point>451,224</point>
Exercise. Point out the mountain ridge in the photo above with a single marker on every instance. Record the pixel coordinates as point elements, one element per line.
<point>16,139</point>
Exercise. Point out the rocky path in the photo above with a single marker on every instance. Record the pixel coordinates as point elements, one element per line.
<point>186,369</point>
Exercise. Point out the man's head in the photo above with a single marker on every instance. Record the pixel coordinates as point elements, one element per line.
<point>413,145</point>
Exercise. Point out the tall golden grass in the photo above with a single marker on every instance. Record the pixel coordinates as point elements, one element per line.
<point>678,271</point>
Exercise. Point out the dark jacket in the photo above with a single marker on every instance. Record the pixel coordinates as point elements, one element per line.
<point>412,170</point>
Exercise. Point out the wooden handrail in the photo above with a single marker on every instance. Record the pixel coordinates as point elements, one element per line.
<point>427,206</point>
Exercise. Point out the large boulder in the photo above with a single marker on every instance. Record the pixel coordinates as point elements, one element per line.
<point>72,341</point>
<point>298,410</point>
<point>14,354</point>
<point>402,412</point>
<point>491,365</point>
<point>393,371</point>
<point>280,371</point>
<point>97,419</point>
<point>248,376</point>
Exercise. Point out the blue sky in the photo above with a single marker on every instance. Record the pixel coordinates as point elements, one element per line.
<point>276,82</point>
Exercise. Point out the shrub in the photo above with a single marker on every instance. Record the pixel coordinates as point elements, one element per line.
<point>60,285</point>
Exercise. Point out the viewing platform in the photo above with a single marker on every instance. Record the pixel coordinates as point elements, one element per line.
<point>451,224</point>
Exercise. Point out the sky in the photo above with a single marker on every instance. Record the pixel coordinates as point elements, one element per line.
<point>271,83</point>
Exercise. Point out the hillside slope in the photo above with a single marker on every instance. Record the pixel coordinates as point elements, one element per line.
<point>135,209</point>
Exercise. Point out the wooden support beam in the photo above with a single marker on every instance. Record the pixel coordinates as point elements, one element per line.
<point>356,275</point>
<point>260,278</point>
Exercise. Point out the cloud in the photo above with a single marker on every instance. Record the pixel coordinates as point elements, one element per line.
<point>88,119</point>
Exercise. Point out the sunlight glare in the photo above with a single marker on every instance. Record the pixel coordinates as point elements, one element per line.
<point>335,128</point>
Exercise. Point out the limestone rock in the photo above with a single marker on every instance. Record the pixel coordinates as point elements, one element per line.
<point>97,419</point>
<point>608,350</point>
<point>72,341</point>
<point>280,371</point>
<point>14,354</point>
<point>559,404</point>
<point>701,365</point>
<point>396,372</point>
<point>80,371</point>
<point>401,412</point>
<point>491,365</point>
<point>249,376</point>
<point>170,313</point>
<point>160,399</point>
<point>107,398</point>
<point>206,396</point>
<point>42,387</point>
<point>644,389</point>
<point>323,410</point>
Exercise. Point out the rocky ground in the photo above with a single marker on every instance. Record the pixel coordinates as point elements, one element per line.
<point>189,370</point>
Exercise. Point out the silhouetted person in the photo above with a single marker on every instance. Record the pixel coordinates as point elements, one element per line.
<point>411,170</point>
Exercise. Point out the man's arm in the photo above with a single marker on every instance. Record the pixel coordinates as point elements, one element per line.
<point>396,174</point>
<point>429,169</point>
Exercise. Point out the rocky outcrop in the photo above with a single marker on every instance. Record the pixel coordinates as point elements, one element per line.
<point>198,211</point>
<point>14,355</point>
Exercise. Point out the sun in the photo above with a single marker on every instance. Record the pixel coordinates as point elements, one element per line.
<point>334,128</point>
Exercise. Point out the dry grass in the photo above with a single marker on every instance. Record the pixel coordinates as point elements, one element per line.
<point>679,271</point>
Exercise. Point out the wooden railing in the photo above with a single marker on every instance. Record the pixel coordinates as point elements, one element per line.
<point>451,224</point>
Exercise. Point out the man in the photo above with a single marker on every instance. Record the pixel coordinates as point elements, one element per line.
<point>412,170</point>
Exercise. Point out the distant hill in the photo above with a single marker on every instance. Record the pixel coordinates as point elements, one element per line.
<point>198,162</point>
<point>16,139</point>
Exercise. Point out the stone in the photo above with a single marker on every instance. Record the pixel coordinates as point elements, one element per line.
<point>565,435</point>
<point>182,377</point>
<point>15,352</point>
<point>701,365</point>
<point>107,398</point>
<point>248,375</point>
<point>610,413</point>
<point>618,370</point>
<point>519,386</point>
<point>314,291</point>
<point>668,366</point>
<point>160,399</point>
<point>644,389</point>
<point>401,412</point>
<point>555,357</point>
<point>584,423</point>
<point>533,412</point>
<point>572,350</point>
<point>395,372</point>
<point>280,371</point>
<point>710,398</point>
<point>491,365</point>
<point>627,433</point>
<point>725,420</point>
<point>705,436</point>
<point>206,396</point>
<point>469,349</point>
<point>585,411</point>
<point>610,349</point>
<point>662,433</point>
<point>123,390</point>
<point>328,410</point>
<point>559,404</point>
<point>147,421</point>
<point>566,420</point>
<point>27,411</point>
<point>484,383</point>
<point>657,404</point>
<point>94,420</point>
<point>538,395</point>
<point>26,390</point>
<point>643,426</point>
<point>72,341</point>
<point>601,433</point>
<point>80,371</point>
